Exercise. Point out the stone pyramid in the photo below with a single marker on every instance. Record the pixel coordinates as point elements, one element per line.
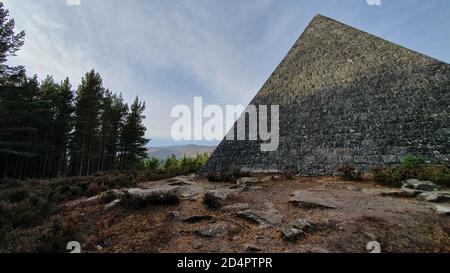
<point>348,97</point>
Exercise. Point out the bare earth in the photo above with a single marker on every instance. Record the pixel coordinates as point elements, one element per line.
<point>359,216</point>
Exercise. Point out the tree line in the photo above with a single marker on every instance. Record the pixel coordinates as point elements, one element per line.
<point>48,129</point>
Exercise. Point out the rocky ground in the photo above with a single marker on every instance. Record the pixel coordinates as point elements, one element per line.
<point>265,214</point>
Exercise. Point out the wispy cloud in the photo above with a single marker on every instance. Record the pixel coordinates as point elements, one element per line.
<point>169,51</point>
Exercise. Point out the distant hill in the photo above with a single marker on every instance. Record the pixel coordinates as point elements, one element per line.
<point>190,150</point>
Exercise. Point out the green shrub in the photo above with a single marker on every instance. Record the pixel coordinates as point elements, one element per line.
<point>154,169</point>
<point>151,164</point>
<point>389,176</point>
<point>412,167</point>
<point>411,161</point>
<point>437,174</point>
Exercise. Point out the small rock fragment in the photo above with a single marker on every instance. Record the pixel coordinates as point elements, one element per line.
<point>297,229</point>
<point>252,248</point>
<point>174,215</point>
<point>197,245</point>
<point>214,230</point>
<point>291,233</point>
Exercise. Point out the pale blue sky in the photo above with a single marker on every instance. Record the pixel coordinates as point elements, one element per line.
<point>167,52</point>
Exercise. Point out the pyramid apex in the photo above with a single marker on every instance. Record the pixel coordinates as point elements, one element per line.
<point>320,17</point>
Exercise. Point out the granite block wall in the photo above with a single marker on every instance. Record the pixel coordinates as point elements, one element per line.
<point>347,97</point>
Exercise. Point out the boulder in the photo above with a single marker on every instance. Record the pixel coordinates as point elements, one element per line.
<point>213,230</point>
<point>156,196</point>
<point>291,233</point>
<point>216,198</point>
<point>443,210</point>
<point>252,248</point>
<point>306,199</point>
<point>435,197</point>
<point>297,229</point>
<point>264,218</point>
<point>416,184</point>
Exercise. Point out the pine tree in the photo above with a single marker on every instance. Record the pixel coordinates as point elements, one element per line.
<point>112,118</point>
<point>10,43</point>
<point>63,125</point>
<point>132,139</point>
<point>85,144</point>
<point>48,96</point>
<point>43,125</point>
<point>19,132</point>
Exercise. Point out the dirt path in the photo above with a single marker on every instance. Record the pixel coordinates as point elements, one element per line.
<point>398,224</point>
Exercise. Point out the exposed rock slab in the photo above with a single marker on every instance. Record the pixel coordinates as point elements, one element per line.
<point>155,196</point>
<point>235,207</point>
<point>435,197</point>
<point>213,230</point>
<point>216,198</point>
<point>106,196</point>
<point>405,193</point>
<point>111,205</point>
<point>264,218</point>
<point>179,181</point>
<point>420,185</point>
<point>306,199</point>
<point>443,210</point>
